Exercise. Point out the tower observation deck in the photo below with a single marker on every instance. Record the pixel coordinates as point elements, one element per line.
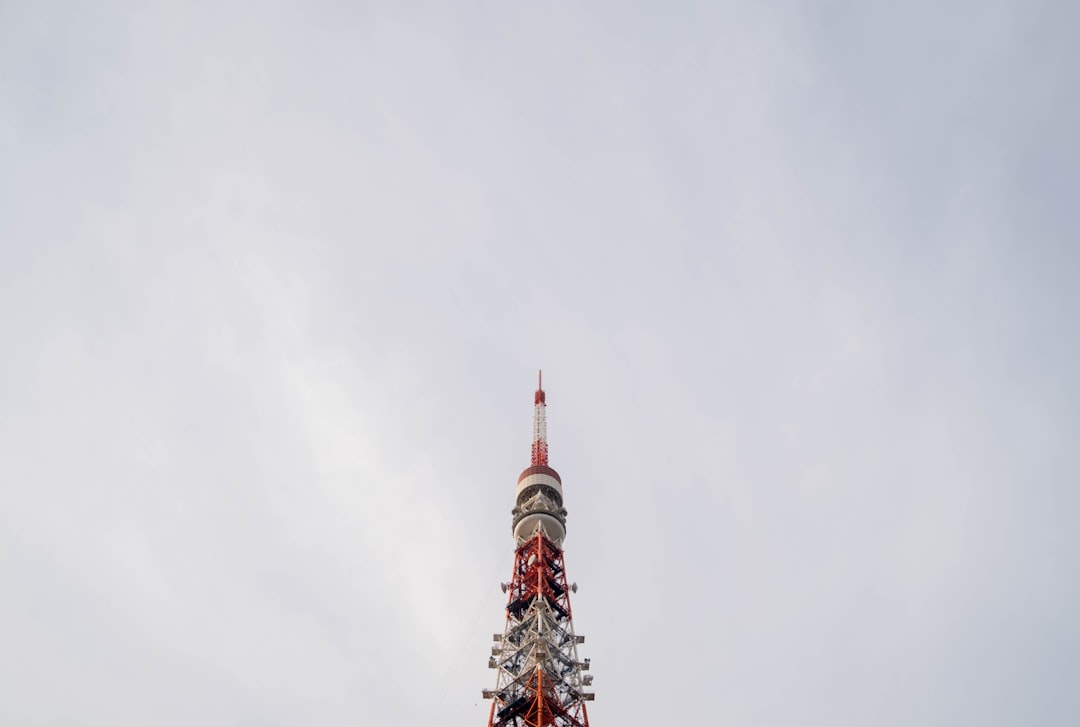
<point>540,680</point>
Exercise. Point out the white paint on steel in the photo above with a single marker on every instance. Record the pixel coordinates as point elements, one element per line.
<point>540,478</point>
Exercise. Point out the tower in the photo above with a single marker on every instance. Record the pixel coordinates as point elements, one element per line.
<point>540,680</point>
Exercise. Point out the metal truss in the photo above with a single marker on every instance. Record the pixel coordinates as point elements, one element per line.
<point>540,680</point>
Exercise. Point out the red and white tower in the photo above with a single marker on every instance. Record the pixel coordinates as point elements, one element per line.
<point>541,682</point>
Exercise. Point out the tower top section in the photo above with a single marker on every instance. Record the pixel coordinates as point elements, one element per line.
<point>541,681</point>
<point>539,444</point>
<point>539,488</point>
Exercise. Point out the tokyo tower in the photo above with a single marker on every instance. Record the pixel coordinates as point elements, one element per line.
<point>540,679</point>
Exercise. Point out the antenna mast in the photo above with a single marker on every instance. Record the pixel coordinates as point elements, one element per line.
<point>540,445</point>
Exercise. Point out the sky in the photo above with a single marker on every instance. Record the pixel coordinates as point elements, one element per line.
<point>276,279</point>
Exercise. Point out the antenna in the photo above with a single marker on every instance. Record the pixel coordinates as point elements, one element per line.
<point>540,445</point>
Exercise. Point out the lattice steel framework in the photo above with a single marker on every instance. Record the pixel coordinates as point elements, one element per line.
<point>541,682</point>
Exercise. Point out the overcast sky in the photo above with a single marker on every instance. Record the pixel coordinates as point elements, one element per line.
<point>276,279</point>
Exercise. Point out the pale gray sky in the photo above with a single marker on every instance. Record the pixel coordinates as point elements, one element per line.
<point>276,278</point>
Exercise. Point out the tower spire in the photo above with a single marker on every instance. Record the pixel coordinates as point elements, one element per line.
<point>540,445</point>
